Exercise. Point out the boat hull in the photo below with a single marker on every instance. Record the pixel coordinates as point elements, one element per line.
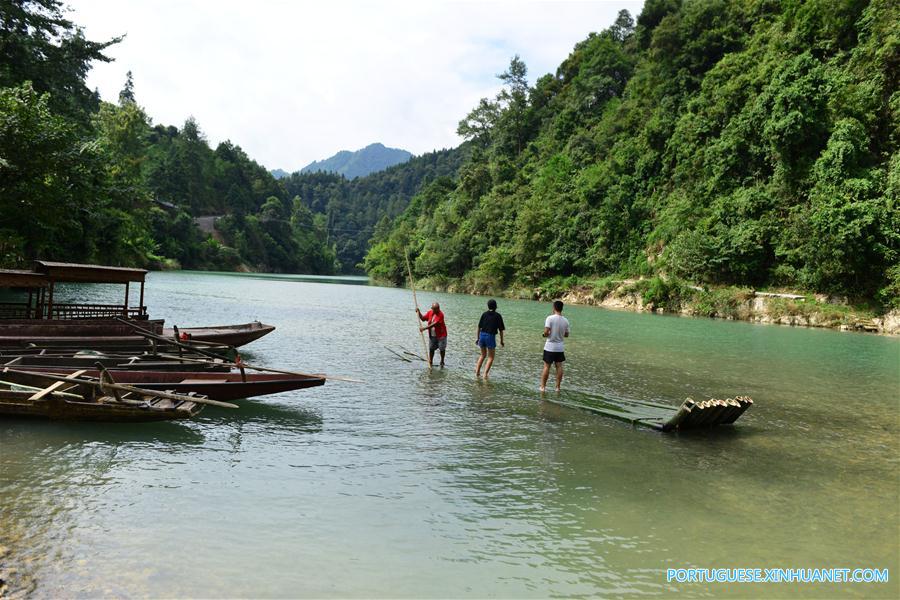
<point>17,404</point>
<point>229,335</point>
<point>41,332</point>
<point>225,387</point>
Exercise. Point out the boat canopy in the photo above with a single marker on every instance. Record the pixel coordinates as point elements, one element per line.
<point>72,272</point>
<point>14,278</point>
<point>40,285</point>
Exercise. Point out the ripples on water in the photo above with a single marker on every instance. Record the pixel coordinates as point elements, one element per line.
<point>432,484</point>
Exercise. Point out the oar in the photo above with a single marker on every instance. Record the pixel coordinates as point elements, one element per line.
<point>412,285</point>
<point>264,369</point>
<point>125,388</point>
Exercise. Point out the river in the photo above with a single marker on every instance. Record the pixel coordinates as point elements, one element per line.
<point>432,484</point>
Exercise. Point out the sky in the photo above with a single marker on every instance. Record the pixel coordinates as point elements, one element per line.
<point>296,81</point>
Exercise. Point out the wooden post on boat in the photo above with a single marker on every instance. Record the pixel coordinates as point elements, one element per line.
<point>412,285</point>
<point>125,307</point>
<point>141,302</point>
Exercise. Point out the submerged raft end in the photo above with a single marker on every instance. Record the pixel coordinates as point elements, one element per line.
<point>707,413</point>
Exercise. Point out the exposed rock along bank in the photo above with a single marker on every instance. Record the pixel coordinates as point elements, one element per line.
<point>757,309</point>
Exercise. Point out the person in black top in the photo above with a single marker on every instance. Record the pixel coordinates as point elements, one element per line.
<point>490,323</point>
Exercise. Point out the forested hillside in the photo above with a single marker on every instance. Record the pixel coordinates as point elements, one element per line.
<point>355,209</point>
<point>747,142</point>
<point>86,180</point>
<point>732,142</point>
<point>371,159</point>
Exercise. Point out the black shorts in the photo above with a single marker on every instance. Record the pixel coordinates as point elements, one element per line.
<point>554,357</point>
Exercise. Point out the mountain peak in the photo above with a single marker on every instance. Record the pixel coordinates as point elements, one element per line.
<point>374,157</point>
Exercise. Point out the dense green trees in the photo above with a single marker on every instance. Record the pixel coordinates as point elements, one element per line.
<point>352,208</point>
<point>38,44</point>
<point>86,180</point>
<point>724,141</point>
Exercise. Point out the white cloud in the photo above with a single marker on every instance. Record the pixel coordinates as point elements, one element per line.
<point>292,82</point>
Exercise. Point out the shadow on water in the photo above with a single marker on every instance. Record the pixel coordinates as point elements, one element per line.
<point>91,457</point>
<point>262,413</point>
<point>166,432</point>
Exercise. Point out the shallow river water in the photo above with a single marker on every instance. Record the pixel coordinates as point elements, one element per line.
<point>431,484</point>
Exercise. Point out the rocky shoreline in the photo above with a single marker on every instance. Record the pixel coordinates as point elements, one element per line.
<point>731,304</point>
<point>756,309</point>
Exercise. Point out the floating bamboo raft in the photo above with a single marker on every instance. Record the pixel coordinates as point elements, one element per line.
<point>662,417</point>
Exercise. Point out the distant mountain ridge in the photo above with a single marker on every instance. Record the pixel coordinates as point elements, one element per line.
<point>353,208</point>
<point>371,159</point>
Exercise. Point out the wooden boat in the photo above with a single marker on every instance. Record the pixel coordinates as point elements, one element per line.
<point>107,345</point>
<point>69,328</point>
<point>40,362</point>
<point>39,319</point>
<point>87,333</point>
<point>79,398</point>
<point>218,386</point>
<point>228,335</point>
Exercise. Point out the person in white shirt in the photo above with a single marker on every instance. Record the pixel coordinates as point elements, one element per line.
<point>556,328</point>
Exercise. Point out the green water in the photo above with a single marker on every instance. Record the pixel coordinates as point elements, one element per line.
<point>432,484</point>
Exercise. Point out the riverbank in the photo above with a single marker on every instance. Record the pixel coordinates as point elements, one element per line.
<point>665,296</point>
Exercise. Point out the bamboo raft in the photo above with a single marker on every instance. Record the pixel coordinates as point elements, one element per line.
<point>662,417</point>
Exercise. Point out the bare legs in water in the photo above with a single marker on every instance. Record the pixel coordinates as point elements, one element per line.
<point>485,353</point>
<point>545,374</point>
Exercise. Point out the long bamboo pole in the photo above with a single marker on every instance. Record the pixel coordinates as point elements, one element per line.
<point>398,355</point>
<point>125,388</point>
<point>412,285</point>
<point>262,369</point>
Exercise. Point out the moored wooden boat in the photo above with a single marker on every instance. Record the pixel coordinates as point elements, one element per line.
<point>140,346</point>
<point>87,334</point>
<point>40,362</point>
<point>229,335</point>
<point>218,386</point>
<point>58,408</point>
<point>40,317</point>
<point>78,398</point>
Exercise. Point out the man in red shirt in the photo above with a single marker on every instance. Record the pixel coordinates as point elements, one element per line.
<point>437,331</point>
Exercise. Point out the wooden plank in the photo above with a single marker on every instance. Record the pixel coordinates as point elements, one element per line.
<point>55,386</point>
